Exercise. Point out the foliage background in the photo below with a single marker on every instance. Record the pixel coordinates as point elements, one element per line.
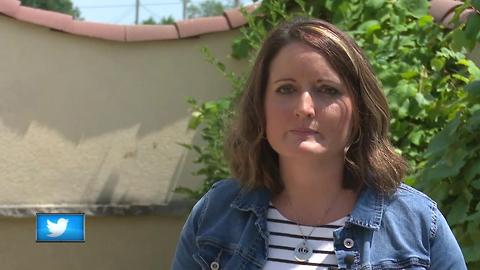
<point>432,88</point>
<point>63,6</point>
<point>204,8</point>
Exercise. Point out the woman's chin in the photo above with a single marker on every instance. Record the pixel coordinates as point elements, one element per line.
<point>303,149</point>
<point>313,148</point>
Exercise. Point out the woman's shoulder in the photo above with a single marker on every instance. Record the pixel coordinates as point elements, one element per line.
<point>228,184</point>
<point>225,201</point>
<point>232,192</point>
<point>229,195</point>
<point>412,208</point>
<point>406,194</point>
<point>225,190</point>
<point>222,193</point>
<point>215,200</point>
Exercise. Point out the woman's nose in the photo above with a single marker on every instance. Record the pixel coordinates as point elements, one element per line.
<point>305,106</point>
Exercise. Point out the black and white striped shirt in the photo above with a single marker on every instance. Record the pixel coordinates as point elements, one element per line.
<point>285,236</point>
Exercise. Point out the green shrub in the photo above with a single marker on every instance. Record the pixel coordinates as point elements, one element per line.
<point>432,88</point>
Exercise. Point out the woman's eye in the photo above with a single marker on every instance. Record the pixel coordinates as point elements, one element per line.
<point>285,89</point>
<point>331,91</point>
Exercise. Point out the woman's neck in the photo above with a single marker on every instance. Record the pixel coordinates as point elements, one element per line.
<point>313,192</point>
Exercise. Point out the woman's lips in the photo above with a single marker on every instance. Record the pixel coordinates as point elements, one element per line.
<point>304,132</point>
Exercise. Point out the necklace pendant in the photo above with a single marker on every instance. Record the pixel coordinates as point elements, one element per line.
<point>303,252</point>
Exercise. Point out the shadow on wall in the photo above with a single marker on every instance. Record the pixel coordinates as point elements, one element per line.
<point>84,87</point>
<point>100,120</point>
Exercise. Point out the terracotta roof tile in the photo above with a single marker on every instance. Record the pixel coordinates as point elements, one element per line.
<point>234,17</point>
<point>250,8</point>
<point>440,9</point>
<point>46,18</point>
<point>463,17</point>
<point>151,32</point>
<point>198,26</point>
<point>465,14</point>
<point>99,30</point>
<point>9,7</point>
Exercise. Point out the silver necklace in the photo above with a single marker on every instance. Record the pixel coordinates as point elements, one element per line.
<point>304,251</point>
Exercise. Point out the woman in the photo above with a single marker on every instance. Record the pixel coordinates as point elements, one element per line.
<point>317,183</point>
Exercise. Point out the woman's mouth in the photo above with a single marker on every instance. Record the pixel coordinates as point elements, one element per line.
<point>304,131</point>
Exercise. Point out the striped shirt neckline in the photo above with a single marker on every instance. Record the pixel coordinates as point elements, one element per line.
<point>284,236</point>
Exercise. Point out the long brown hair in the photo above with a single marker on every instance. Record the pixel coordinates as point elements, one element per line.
<point>370,159</point>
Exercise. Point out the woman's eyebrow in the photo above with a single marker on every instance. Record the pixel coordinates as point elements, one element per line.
<point>318,81</point>
<point>330,81</point>
<point>284,79</point>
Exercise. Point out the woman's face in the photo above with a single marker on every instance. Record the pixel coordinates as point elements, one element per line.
<point>308,108</point>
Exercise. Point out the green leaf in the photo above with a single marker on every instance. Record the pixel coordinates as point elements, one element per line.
<point>416,8</point>
<point>461,78</point>
<point>421,100</point>
<point>476,4</point>
<point>471,253</point>
<point>473,89</point>
<point>439,191</point>
<point>425,20</point>
<point>186,145</point>
<point>476,184</point>
<point>369,26</point>
<point>197,149</point>
<point>191,101</point>
<point>403,110</point>
<point>455,161</point>
<point>329,4</point>
<point>437,63</point>
<point>221,66</point>
<point>473,123</point>
<point>473,26</point>
<point>442,140</point>
<point>211,106</point>
<point>375,4</point>
<point>446,167</point>
<point>472,68</point>
<point>241,47</point>
<point>415,136</point>
<point>458,212</point>
<point>410,181</point>
<point>195,120</point>
<point>409,74</point>
<point>472,227</point>
<point>473,217</point>
<point>460,40</point>
<point>187,191</point>
<point>301,4</point>
<point>468,195</point>
<point>472,170</point>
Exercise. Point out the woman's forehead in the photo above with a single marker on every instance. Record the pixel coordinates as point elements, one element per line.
<point>298,59</point>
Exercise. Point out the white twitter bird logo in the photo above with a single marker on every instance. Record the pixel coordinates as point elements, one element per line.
<point>57,229</point>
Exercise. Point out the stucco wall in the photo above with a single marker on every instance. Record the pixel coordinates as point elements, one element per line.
<point>112,243</point>
<point>88,121</point>
<point>92,125</point>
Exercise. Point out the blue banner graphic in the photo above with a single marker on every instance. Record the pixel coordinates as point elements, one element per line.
<point>65,227</point>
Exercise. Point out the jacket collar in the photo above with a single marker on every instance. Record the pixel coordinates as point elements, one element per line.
<point>255,200</point>
<point>367,212</point>
<point>368,209</point>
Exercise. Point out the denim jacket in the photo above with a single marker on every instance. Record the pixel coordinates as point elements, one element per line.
<point>227,229</point>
